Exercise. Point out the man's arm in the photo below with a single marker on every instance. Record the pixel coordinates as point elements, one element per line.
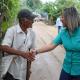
<point>13,51</point>
<point>10,50</point>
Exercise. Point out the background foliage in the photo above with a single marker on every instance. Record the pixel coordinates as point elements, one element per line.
<point>54,9</point>
<point>9,9</point>
<point>33,4</point>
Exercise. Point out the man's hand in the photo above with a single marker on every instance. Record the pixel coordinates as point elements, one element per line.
<point>29,56</point>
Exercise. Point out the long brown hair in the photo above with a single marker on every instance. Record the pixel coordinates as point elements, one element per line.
<point>72,19</point>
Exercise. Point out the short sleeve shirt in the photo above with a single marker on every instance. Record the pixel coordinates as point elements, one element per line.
<point>22,42</point>
<point>72,46</point>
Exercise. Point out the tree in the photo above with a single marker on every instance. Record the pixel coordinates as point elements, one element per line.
<point>33,4</point>
<point>54,9</point>
<point>9,9</point>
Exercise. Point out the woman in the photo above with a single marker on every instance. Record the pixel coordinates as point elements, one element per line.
<point>70,38</point>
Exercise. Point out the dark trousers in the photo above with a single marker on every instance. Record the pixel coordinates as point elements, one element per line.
<point>67,76</point>
<point>8,76</point>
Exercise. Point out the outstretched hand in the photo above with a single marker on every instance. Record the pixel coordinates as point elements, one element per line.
<point>33,51</point>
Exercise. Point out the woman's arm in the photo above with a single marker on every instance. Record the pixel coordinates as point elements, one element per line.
<point>46,48</point>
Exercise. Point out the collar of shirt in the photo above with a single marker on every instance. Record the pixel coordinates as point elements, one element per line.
<point>19,30</point>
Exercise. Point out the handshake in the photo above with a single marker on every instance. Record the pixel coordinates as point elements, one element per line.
<point>30,55</point>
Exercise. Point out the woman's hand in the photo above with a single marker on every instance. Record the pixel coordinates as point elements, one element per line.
<point>34,51</point>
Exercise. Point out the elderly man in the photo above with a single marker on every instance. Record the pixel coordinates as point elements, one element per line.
<point>17,42</point>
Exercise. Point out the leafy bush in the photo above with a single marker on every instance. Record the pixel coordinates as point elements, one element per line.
<point>9,9</point>
<point>54,9</point>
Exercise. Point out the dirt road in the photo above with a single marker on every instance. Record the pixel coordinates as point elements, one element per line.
<point>46,66</point>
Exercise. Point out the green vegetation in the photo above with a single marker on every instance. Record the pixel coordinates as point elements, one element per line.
<point>54,9</point>
<point>33,4</point>
<point>9,9</point>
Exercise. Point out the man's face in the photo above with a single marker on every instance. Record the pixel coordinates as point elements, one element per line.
<point>26,23</point>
